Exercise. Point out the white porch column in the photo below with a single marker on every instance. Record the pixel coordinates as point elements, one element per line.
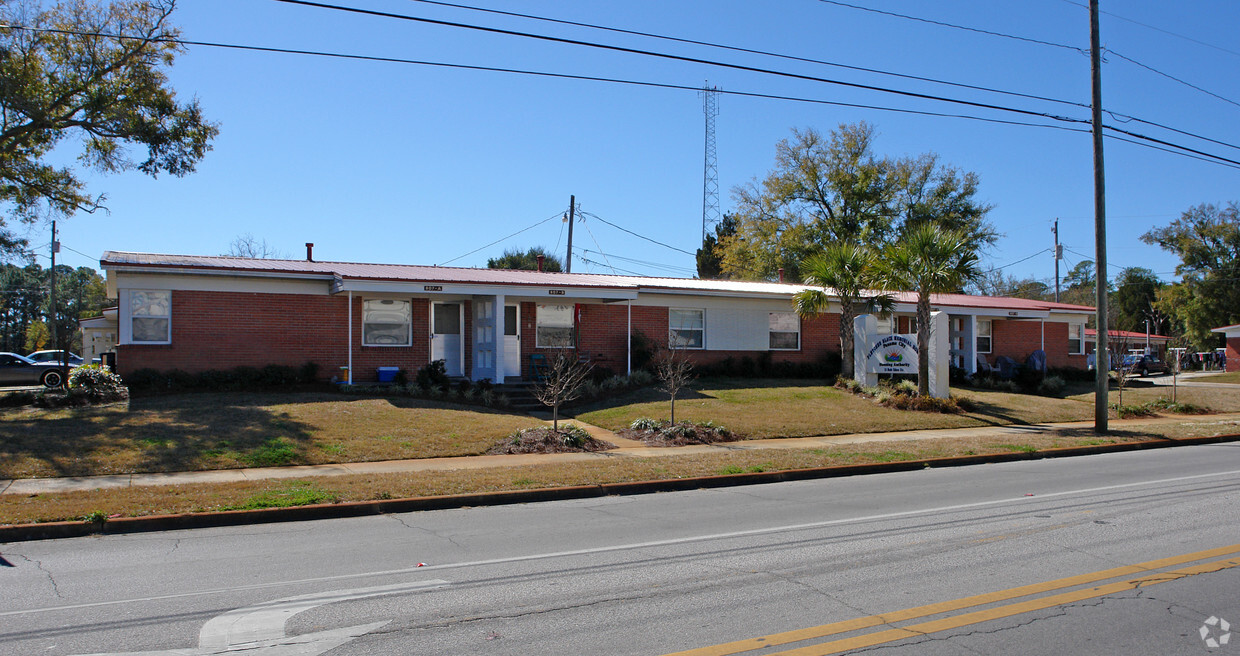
<point>628,343</point>
<point>970,345</point>
<point>350,342</point>
<point>500,315</point>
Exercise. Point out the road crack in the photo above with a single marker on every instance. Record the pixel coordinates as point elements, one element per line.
<point>436,534</point>
<point>39,565</point>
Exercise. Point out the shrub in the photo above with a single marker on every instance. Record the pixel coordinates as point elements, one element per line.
<point>97,384</point>
<point>16,399</point>
<point>645,423</point>
<point>642,349</point>
<point>641,378</point>
<point>220,380</point>
<point>1028,379</point>
<point>1051,386</point>
<point>433,375</point>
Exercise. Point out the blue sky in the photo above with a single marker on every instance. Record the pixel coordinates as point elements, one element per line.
<point>401,163</point>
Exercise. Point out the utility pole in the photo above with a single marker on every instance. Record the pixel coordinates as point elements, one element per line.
<point>1058,256</point>
<point>568,259</point>
<point>1102,359</point>
<point>51,294</point>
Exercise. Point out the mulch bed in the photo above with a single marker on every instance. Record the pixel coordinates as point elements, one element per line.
<point>685,434</point>
<point>545,440</point>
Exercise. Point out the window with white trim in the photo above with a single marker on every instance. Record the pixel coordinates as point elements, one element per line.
<point>983,335</point>
<point>1076,339</point>
<point>150,316</point>
<point>785,331</point>
<point>554,326</point>
<point>686,328</point>
<point>387,323</point>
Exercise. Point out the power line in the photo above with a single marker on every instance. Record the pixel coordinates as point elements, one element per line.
<point>645,263</point>
<point>553,216</point>
<point>751,51</point>
<point>1173,78</point>
<point>1065,46</point>
<point>1203,157</point>
<point>1023,259</point>
<point>695,60</point>
<point>669,56</point>
<point>1159,29</point>
<point>1021,38</point>
<point>679,250</point>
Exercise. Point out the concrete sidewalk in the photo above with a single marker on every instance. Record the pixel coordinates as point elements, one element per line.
<point>627,449</point>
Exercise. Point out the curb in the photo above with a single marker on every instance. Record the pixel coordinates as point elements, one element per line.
<point>59,530</point>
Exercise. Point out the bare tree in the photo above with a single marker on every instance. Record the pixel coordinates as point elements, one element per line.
<point>562,382</point>
<point>248,245</point>
<point>1117,342</point>
<point>674,371</point>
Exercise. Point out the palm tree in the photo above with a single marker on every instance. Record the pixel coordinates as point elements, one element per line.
<point>929,259</point>
<point>848,270</point>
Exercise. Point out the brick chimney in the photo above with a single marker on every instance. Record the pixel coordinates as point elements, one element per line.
<point>781,274</point>
<point>310,252</point>
<point>540,262</point>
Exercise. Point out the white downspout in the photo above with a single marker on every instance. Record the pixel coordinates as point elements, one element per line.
<point>1043,335</point>
<point>628,345</point>
<point>350,381</point>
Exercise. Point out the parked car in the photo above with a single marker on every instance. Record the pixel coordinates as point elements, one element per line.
<point>55,356</point>
<point>20,370</point>
<point>1144,365</point>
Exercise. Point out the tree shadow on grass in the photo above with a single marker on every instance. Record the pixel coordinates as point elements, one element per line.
<point>995,415</point>
<point>182,433</point>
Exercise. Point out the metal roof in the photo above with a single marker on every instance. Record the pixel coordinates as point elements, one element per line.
<point>438,274</point>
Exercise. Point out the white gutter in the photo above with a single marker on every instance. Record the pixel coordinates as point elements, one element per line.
<point>350,342</point>
<point>628,345</point>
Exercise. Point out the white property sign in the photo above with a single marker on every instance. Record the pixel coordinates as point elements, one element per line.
<point>893,354</point>
<point>875,354</point>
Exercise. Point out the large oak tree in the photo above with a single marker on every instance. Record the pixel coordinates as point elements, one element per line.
<point>96,72</point>
<point>833,188</point>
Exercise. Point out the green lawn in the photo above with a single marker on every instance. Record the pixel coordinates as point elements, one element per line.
<point>187,432</point>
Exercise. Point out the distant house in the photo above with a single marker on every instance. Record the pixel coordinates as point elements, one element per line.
<point>1131,341</point>
<point>204,312</point>
<point>99,335</point>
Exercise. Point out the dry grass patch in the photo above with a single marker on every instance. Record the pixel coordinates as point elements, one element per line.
<point>191,432</point>
<point>1232,377</point>
<point>141,501</point>
<point>783,408</point>
<point>1216,399</point>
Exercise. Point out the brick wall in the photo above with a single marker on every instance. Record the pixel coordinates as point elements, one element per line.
<point>1018,339</point>
<point>1233,354</point>
<point>223,330</point>
<point>602,336</point>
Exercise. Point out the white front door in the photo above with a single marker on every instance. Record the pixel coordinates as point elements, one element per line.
<point>446,336</point>
<point>512,341</point>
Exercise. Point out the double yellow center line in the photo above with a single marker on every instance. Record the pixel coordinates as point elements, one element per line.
<point>1152,572</point>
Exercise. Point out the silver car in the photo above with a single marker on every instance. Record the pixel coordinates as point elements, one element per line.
<point>20,370</point>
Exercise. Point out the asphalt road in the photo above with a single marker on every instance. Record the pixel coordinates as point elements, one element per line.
<point>892,562</point>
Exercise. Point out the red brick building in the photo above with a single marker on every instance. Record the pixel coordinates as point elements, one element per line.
<point>1232,352</point>
<point>200,312</point>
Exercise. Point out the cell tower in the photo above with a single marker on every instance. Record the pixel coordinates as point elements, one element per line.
<point>710,174</point>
